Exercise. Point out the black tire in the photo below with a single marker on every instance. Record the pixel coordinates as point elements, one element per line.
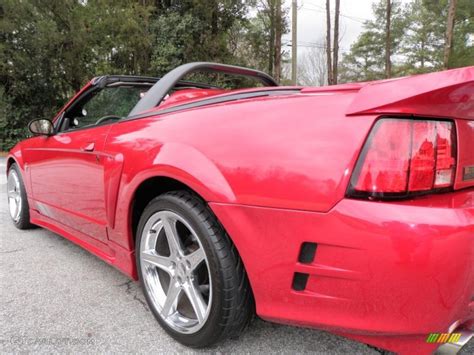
<point>23,221</point>
<point>232,305</point>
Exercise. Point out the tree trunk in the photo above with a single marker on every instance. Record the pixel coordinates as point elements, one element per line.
<point>328,41</point>
<point>335,56</point>
<point>422,59</point>
<point>277,49</point>
<point>388,40</point>
<point>271,49</point>
<point>294,42</point>
<point>449,32</point>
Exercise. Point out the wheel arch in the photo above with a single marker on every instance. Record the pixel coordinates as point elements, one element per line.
<point>10,162</point>
<point>146,191</point>
<point>157,185</point>
<point>175,166</point>
<point>15,156</point>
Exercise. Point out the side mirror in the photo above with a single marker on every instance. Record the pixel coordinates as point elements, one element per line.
<point>41,127</point>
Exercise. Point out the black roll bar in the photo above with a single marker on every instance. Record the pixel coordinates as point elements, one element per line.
<point>157,92</point>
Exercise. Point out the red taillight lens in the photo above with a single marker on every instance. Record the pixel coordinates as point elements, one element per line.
<point>403,157</point>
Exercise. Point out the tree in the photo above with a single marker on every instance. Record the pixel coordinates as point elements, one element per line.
<point>50,49</point>
<point>462,45</point>
<point>185,31</point>
<point>462,52</point>
<point>367,59</point>
<point>278,34</point>
<point>273,17</point>
<point>423,41</point>
<point>449,32</point>
<point>388,50</point>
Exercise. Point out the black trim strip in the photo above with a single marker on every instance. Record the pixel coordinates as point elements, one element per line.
<point>213,101</point>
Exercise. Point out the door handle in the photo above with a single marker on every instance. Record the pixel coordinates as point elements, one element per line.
<point>89,147</point>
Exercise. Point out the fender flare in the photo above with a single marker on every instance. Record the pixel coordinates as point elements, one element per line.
<point>182,163</point>
<point>189,166</point>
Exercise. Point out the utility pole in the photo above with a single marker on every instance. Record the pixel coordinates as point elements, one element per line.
<point>328,42</point>
<point>449,32</point>
<point>335,56</point>
<point>294,42</point>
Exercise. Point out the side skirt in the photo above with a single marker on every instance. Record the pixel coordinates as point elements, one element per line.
<point>111,253</point>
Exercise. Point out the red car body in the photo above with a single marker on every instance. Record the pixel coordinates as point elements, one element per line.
<point>275,171</point>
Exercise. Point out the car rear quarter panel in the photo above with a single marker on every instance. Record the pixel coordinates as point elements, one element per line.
<point>291,152</point>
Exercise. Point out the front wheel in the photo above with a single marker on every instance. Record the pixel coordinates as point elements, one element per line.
<point>192,277</point>
<point>17,200</point>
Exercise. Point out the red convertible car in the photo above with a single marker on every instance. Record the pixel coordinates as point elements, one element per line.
<point>348,208</point>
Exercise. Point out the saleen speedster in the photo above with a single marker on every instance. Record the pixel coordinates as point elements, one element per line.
<point>348,208</point>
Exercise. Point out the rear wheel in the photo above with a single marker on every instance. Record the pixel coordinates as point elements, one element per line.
<point>191,275</point>
<point>17,200</point>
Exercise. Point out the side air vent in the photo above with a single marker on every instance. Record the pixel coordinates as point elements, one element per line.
<point>299,281</point>
<point>307,252</point>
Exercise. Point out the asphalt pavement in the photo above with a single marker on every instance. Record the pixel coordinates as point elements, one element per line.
<point>56,297</point>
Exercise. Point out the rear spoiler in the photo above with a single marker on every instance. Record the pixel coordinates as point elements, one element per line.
<point>448,93</point>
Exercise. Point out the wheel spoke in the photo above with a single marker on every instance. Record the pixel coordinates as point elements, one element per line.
<point>195,258</point>
<point>172,236</point>
<point>14,195</point>
<point>162,262</point>
<point>152,238</point>
<point>196,300</point>
<point>171,299</point>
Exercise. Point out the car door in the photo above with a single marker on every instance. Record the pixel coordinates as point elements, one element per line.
<point>67,170</point>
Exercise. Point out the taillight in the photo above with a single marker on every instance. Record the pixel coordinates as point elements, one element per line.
<point>404,157</point>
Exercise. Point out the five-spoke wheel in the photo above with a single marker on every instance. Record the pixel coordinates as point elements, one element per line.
<point>175,271</point>
<point>14,195</point>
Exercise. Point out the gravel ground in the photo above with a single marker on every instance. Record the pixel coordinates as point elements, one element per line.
<point>56,297</point>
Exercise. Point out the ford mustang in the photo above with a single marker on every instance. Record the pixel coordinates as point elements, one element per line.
<point>348,208</point>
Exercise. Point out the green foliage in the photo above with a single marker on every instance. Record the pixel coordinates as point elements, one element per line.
<point>423,40</point>
<point>418,37</point>
<point>366,60</point>
<point>50,49</point>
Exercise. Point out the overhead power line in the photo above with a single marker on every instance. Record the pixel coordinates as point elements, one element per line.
<point>353,18</point>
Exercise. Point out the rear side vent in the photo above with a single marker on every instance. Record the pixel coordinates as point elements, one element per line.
<point>299,281</point>
<point>307,252</point>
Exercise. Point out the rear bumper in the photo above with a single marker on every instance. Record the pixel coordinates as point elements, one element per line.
<point>380,269</point>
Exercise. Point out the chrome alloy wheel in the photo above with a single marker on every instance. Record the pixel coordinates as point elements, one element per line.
<point>175,272</point>
<point>15,202</point>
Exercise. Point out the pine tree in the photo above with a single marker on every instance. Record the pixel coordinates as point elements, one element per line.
<point>423,40</point>
<point>367,57</point>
